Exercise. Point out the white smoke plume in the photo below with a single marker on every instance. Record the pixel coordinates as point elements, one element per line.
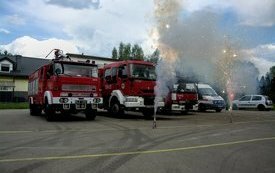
<point>192,46</point>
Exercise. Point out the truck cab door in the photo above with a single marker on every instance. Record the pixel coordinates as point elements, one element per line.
<point>122,79</point>
<point>114,79</point>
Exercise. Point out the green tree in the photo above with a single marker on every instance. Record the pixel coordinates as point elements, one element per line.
<point>140,54</point>
<point>154,57</point>
<point>137,52</point>
<point>267,84</point>
<point>5,53</point>
<point>120,51</point>
<point>114,53</point>
<point>127,52</point>
<point>134,52</point>
<point>272,71</point>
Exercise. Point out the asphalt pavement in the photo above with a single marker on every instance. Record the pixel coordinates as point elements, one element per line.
<point>208,142</point>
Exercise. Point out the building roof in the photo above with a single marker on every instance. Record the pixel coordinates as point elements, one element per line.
<point>23,66</point>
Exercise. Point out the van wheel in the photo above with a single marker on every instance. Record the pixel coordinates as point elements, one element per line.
<point>90,114</point>
<point>261,108</point>
<point>49,112</point>
<point>116,109</point>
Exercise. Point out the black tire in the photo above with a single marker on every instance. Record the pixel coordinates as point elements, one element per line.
<point>49,112</point>
<point>90,114</point>
<point>201,108</point>
<point>261,107</point>
<point>116,109</point>
<point>148,113</point>
<point>31,107</point>
<point>184,112</point>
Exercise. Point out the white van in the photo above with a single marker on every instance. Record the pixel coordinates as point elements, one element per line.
<point>209,99</point>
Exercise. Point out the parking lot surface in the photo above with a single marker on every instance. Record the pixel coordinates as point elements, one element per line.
<point>238,141</point>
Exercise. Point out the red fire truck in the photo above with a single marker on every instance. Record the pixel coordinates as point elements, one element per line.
<point>129,85</point>
<point>182,97</point>
<point>64,87</point>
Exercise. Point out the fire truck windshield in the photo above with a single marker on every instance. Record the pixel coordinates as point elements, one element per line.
<point>141,71</point>
<point>75,70</point>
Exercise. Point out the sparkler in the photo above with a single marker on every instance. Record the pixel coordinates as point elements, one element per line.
<point>225,65</point>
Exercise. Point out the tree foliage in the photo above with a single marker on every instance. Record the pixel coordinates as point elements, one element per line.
<point>267,84</point>
<point>154,57</point>
<point>114,53</point>
<point>5,53</point>
<point>120,51</point>
<point>127,51</point>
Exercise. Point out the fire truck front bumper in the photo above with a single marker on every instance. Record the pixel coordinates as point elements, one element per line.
<point>177,107</point>
<point>138,102</point>
<point>67,103</point>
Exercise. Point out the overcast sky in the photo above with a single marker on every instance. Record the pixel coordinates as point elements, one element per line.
<point>93,27</point>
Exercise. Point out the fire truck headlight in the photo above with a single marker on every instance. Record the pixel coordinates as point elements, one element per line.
<point>97,100</point>
<point>131,99</point>
<point>63,100</point>
<point>94,95</point>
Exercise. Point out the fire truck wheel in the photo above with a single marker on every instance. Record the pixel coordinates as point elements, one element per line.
<point>90,114</point>
<point>115,109</point>
<point>201,108</point>
<point>49,112</point>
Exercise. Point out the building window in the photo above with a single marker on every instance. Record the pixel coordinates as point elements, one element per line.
<point>5,68</point>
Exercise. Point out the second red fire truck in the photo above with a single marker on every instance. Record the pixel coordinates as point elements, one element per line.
<point>129,85</point>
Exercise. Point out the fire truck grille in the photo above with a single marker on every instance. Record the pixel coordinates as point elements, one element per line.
<point>149,100</point>
<point>70,87</point>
